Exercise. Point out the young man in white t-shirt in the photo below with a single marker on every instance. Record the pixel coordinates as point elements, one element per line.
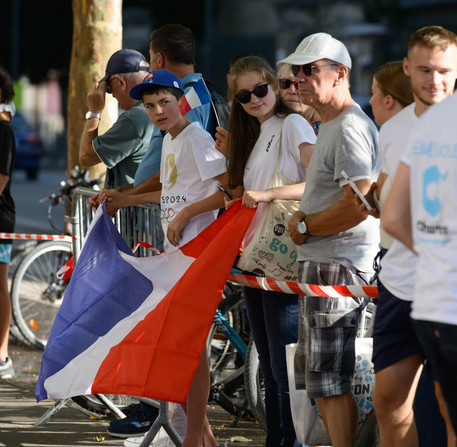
<point>422,214</point>
<point>190,170</point>
<point>397,355</point>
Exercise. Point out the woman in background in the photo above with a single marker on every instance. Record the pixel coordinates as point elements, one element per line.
<point>289,92</point>
<point>7,217</point>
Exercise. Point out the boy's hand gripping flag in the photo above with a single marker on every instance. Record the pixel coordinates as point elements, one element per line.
<point>197,96</point>
<point>138,326</point>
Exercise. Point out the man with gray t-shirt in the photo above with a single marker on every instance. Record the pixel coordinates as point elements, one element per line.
<point>336,241</point>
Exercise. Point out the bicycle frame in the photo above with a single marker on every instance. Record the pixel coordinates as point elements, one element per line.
<point>224,326</point>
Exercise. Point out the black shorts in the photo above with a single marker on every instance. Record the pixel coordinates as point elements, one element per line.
<point>394,338</point>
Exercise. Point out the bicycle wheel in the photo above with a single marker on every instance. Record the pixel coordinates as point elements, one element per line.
<point>226,362</point>
<point>254,385</point>
<point>220,349</point>
<point>36,292</point>
<point>19,251</point>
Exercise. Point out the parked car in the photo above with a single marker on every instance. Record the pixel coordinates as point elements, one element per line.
<point>29,147</point>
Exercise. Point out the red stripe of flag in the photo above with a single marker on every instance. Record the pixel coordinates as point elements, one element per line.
<point>158,358</point>
<point>184,106</point>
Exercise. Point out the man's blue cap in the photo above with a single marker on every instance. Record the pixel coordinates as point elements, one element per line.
<point>124,61</point>
<point>158,77</point>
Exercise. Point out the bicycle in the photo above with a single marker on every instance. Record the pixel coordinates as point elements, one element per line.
<point>228,341</point>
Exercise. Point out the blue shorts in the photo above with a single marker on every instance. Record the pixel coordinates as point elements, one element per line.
<point>5,252</point>
<point>439,342</point>
<point>394,338</point>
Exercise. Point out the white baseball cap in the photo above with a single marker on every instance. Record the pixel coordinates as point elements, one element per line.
<point>319,46</point>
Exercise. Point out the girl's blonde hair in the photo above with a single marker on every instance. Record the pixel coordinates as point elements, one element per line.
<point>244,129</point>
<point>392,81</point>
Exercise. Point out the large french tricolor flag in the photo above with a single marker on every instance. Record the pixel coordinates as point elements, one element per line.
<point>196,96</point>
<point>138,326</point>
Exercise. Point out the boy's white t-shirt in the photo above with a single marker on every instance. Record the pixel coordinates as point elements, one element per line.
<point>399,263</point>
<point>188,168</point>
<point>261,166</point>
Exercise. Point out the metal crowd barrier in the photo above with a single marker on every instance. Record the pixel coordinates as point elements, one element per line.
<point>135,224</point>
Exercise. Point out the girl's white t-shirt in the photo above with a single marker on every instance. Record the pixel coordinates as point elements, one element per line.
<point>261,166</point>
<point>188,168</point>
<point>399,264</point>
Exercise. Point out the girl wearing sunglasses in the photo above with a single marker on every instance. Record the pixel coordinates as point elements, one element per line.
<point>258,117</point>
<point>289,91</point>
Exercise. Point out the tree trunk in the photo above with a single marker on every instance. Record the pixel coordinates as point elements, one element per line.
<point>97,33</point>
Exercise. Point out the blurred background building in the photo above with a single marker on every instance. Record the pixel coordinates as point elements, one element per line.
<point>36,39</point>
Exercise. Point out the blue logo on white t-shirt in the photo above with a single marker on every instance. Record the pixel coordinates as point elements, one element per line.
<point>430,200</point>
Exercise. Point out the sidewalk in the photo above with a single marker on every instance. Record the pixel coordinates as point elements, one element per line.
<point>70,427</point>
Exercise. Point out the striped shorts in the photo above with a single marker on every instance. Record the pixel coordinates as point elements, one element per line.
<point>325,355</point>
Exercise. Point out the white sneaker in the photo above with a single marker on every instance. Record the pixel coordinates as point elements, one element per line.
<point>178,420</point>
<point>7,369</point>
<point>161,442</point>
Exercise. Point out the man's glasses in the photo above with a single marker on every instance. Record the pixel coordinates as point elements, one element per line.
<point>108,81</point>
<point>284,84</point>
<point>260,91</point>
<point>309,69</point>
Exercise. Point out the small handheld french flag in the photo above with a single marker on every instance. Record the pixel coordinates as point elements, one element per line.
<point>197,96</point>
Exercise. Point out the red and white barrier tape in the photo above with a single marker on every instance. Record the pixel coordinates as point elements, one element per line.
<point>36,237</point>
<point>145,245</point>
<point>258,282</point>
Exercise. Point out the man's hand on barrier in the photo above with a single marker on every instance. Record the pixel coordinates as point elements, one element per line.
<point>295,235</point>
<point>114,200</point>
<point>93,201</point>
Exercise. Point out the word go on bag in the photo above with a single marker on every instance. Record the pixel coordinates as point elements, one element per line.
<point>271,252</point>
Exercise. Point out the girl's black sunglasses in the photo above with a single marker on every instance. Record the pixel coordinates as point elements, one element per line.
<point>260,91</point>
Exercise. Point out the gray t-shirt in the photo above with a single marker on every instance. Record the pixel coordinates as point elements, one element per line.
<point>349,142</point>
<point>123,146</point>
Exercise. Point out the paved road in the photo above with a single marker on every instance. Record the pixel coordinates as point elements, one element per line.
<point>31,215</point>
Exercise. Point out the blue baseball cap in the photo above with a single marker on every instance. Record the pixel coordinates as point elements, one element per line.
<point>158,77</point>
<point>124,61</point>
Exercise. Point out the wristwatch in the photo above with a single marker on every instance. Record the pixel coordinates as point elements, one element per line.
<point>90,115</point>
<point>302,227</point>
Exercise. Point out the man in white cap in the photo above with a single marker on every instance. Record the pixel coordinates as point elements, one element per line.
<point>336,242</point>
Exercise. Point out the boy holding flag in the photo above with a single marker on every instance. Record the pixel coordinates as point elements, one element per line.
<point>189,199</point>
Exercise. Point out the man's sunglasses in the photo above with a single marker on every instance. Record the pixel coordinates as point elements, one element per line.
<point>108,86</point>
<point>260,91</point>
<point>284,84</point>
<point>308,69</point>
